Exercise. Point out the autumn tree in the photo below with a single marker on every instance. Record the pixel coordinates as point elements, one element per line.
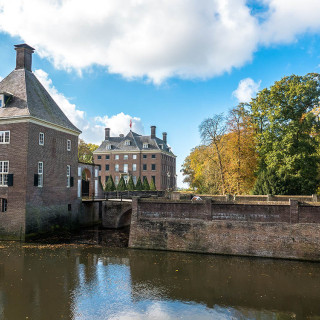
<point>85,151</point>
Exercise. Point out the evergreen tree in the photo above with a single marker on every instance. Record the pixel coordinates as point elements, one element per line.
<point>130,185</point>
<point>139,185</point>
<point>152,185</point>
<point>110,186</point>
<point>145,185</point>
<point>121,185</point>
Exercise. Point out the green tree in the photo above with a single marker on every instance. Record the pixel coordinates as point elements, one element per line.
<point>145,185</point>
<point>130,185</point>
<point>110,186</point>
<point>287,135</point>
<point>121,185</point>
<point>85,151</point>
<point>153,186</point>
<point>139,185</point>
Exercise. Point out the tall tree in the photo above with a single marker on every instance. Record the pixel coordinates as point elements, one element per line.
<point>145,184</point>
<point>110,186</point>
<point>288,127</point>
<point>152,186</point>
<point>121,185</point>
<point>130,185</point>
<point>139,185</point>
<point>85,151</point>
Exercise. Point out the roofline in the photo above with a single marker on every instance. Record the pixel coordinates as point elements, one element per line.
<point>134,151</point>
<point>19,119</point>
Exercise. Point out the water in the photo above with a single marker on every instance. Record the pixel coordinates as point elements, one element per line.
<point>90,282</point>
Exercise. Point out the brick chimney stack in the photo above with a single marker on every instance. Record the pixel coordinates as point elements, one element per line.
<point>24,56</point>
<point>107,133</point>
<point>164,137</point>
<point>153,132</point>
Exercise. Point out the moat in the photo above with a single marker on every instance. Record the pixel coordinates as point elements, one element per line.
<point>80,281</point>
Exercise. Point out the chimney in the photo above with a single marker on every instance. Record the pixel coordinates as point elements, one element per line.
<point>153,132</point>
<point>107,133</point>
<point>164,137</point>
<point>24,56</point>
<point>121,135</point>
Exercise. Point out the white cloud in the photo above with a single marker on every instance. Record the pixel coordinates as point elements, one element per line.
<point>92,129</point>
<point>246,90</point>
<point>155,39</point>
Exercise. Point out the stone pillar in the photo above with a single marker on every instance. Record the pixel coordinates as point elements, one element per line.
<point>314,198</point>
<point>294,211</point>
<point>270,197</point>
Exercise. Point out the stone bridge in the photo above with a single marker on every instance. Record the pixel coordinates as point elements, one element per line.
<point>116,213</point>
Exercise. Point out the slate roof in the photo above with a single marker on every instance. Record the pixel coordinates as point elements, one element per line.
<point>136,143</point>
<point>30,98</point>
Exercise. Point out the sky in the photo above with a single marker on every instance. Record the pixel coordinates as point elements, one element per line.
<point>168,63</point>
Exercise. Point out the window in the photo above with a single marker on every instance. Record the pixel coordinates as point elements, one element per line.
<point>109,146</point>
<point>144,167</point>
<point>134,167</point>
<point>116,168</point>
<point>99,167</point>
<point>4,137</point>
<point>107,157</point>
<point>153,156</point>
<point>153,167</point>
<point>125,168</point>
<point>116,180</point>
<point>161,146</point>
<point>68,145</point>
<point>145,145</point>
<point>69,207</point>
<point>126,179</point>
<point>99,157</point>
<point>127,142</point>
<point>116,157</point>
<point>40,174</point>
<point>106,179</point>
<point>68,176</point>
<point>144,156</point>
<point>107,167</point>
<point>125,157</point>
<point>154,179</point>
<point>41,139</point>
<point>4,170</point>
<point>134,178</point>
<point>1,100</point>
<point>134,157</point>
<point>4,205</point>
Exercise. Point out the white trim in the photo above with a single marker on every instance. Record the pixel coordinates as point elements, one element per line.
<point>40,174</point>
<point>68,145</point>
<point>38,121</point>
<point>68,175</point>
<point>41,143</point>
<point>4,136</point>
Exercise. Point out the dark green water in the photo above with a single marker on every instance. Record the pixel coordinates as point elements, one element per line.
<point>87,282</point>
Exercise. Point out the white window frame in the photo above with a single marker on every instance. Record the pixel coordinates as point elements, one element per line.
<point>40,174</point>
<point>126,168</point>
<point>4,171</point>
<point>116,168</point>
<point>116,157</point>
<point>134,167</point>
<point>134,157</point>
<point>127,143</point>
<point>68,175</point>
<point>134,178</point>
<point>145,145</point>
<point>5,137</point>
<point>125,157</point>
<point>1,100</point>
<point>109,146</point>
<point>68,145</point>
<point>116,180</point>
<point>41,141</point>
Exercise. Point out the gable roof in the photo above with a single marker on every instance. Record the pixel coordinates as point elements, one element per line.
<point>31,99</point>
<point>136,144</point>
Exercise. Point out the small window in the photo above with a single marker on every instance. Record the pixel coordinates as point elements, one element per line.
<point>116,157</point>
<point>68,176</point>
<point>145,145</point>
<point>106,179</point>
<point>153,156</point>
<point>68,145</point>
<point>126,179</point>
<point>1,100</point>
<point>4,205</point>
<point>41,139</point>
<point>144,167</point>
<point>127,142</point>
<point>144,156</point>
<point>134,167</point>
<point>4,170</point>
<point>134,157</point>
<point>4,137</point>
<point>154,179</point>
<point>99,167</point>
<point>125,168</point>
<point>107,157</point>
<point>153,167</point>
<point>161,146</point>
<point>116,180</point>
<point>134,178</point>
<point>99,157</point>
<point>116,168</point>
<point>40,174</point>
<point>109,146</point>
<point>107,167</point>
<point>125,157</point>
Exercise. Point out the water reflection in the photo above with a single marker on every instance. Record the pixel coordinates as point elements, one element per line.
<point>82,282</point>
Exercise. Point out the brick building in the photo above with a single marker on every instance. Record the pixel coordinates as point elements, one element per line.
<point>38,155</point>
<point>137,156</point>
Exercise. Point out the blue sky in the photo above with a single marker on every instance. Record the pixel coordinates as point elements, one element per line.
<point>164,63</point>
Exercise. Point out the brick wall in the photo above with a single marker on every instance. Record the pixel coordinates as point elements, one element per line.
<point>266,230</point>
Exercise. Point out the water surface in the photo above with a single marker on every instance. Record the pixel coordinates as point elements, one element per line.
<point>90,282</point>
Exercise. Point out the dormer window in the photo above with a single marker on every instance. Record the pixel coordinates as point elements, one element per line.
<point>145,145</point>
<point>109,146</point>
<point>161,146</point>
<point>4,99</point>
<point>127,142</point>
